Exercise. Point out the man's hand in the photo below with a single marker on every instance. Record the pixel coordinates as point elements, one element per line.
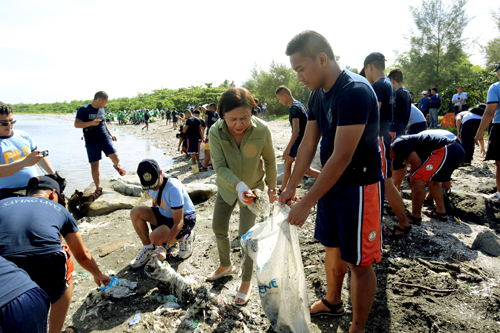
<point>286,197</point>
<point>33,158</point>
<point>479,137</point>
<point>447,185</point>
<point>96,122</point>
<point>298,214</point>
<point>102,279</point>
<point>460,108</point>
<point>113,138</point>
<point>286,152</point>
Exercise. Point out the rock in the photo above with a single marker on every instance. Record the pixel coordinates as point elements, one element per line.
<point>111,246</point>
<point>487,188</point>
<point>200,192</point>
<point>487,242</point>
<point>110,201</point>
<point>475,208</point>
<point>131,187</point>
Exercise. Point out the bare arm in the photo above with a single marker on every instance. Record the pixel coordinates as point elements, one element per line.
<point>84,258</point>
<point>488,115</point>
<point>178,215</point>
<point>185,128</point>
<point>295,135</point>
<point>7,170</point>
<point>45,164</point>
<point>84,124</point>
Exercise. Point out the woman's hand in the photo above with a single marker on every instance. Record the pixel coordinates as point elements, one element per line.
<point>244,193</point>
<point>273,197</point>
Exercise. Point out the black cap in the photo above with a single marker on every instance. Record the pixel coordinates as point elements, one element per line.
<point>196,111</point>
<point>45,183</point>
<point>374,56</point>
<point>362,73</point>
<point>149,174</point>
<point>497,68</point>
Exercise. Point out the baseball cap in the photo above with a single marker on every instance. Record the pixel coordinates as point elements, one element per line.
<point>424,92</point>
<point>373,57</point>
<point>197,111</point>
<point>497,68</point>
<point>149,173</point>
<point>45,183</point>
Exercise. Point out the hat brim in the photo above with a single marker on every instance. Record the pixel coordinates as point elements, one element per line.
<point>152,186</point>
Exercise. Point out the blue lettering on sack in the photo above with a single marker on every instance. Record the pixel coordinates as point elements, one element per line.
<point>263,288</point>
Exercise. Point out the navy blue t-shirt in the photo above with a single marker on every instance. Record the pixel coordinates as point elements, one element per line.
<point>92,134</point>
<point>351,101</point>
<point>31,226</point>
<point>14,282</point>
<point>423,144</point>
<point>174,115</point>
<point>297,110</point>
<point>386,95</point>
<point>168,113</point>
<point>212,117</point>
<point>402,111</point>
<point>193,130</point>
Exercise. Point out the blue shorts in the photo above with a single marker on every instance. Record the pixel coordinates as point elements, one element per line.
<point>440,165</point>
<point>26,313</point>
<point>349,217</point>
<point>94,151</point>
<point>294,149</point>
<point>192,145</point>
<point>52,272</point>
<point>175,120</point>
<point>189,222</point>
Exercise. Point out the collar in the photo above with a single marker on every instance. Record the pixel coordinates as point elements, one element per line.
<point>9,136</point>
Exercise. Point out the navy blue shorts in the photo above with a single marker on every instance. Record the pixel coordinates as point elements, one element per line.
<point>493,153</point>
<point>192,145</point>
<point>26,313</point>
<point>189,222</point>
<point>349,217</point>
<point>168,117</point>
<point>175,120</point>
<point>94,151</point>
<point>440,165</point>
<point>294,149</point>
<point>52,272</point>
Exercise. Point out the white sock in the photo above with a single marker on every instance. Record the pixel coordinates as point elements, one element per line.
<point>150,246</point>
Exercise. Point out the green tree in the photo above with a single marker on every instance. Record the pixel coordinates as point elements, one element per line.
<point>492,49</point>
<point>436,57</point>
<point>263,85</point>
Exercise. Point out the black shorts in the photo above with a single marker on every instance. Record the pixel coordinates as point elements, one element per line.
<point>52,272</point>
<point>384,143</point>
<point>26,313</point>
<point>417,128</point>
<point>440,165</point>
<point>294,149</point>
<point>493,153</point>
<point>192,145</point>
<point>189,222</point>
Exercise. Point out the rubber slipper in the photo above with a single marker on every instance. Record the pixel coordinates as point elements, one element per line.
<point>120,170</point>
<point>97,193</point>
<point>414,220</point>
<point>244,297</point>
<point>433,214</point>
<point>228,271</point>
<point>333,309</point>
<point>393,235</point>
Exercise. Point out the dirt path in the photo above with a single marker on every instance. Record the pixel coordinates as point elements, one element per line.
<point>474,306</point>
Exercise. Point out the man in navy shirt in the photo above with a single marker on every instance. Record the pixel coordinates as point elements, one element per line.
<point>32,230</point>
<point>374,67</point>
<point>211,116</point>
<point>424,103</point>
<point>343,113</point>
<point>297,117</point>
<point>194,133</point>
<point>175,118</point>
<point>434,104</point>
<point>98,138</point>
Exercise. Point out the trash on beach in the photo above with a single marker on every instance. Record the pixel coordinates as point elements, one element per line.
<point>167,307</point>
<point>119,288</point>
<point>137,319</point>
<point>260,205</point>
<point>164,298</point>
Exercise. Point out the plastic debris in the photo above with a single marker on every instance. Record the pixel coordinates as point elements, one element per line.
<point>164,298</point>
<point>167,307</point>
<point>137,319</point>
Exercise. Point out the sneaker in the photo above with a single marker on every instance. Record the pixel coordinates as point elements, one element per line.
<point>186,246</point>
<point>160,253</point>
<point>142,258</point>
<point>493,196</point>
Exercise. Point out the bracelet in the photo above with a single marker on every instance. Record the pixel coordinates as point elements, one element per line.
<point>272,190</point>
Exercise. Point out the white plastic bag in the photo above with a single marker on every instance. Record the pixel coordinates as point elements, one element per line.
<point>274,247</point>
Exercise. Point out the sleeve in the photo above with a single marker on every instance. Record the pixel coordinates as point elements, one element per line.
<point>294,111</point>
<point>493,94</point>
<point>379,91</point>
<point>402,149</point>
<point>81,114</point>
<point>218,159</point>
<point>32,143</point>
<point>175,197</point>
<point>269,157</point>
<point>69,225</point>
<point>309,112</point>
<point>355,106</point>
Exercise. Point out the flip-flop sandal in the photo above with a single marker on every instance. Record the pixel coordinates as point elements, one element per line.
<point>230,270</point>
<point>333,310</point>
<point>202,169</point>
<point>394,235</point>
<point>97,193</point>
<point>70,329</point>
<point>414,220</point>
<point>433,214</point>
<point>120,170</point>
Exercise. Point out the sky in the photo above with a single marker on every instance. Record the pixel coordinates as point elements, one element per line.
<point>63,50</point>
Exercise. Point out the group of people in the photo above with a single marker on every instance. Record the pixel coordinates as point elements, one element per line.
<point>370,135</point>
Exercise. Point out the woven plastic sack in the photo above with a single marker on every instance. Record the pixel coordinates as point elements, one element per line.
<point>274,247</point>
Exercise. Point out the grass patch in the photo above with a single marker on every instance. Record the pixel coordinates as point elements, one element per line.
<point>278,117</point>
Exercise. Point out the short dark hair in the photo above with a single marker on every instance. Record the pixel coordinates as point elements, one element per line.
<point>5,108</point>
<point>460,86</point>
<point>435,89</point>
<point>309,44</point>
<point>100,94</point>
<point>234,98</point>
<point>378,64</point>
<point>396,74</point>
<point>283,89</point>
<point>212,105</point>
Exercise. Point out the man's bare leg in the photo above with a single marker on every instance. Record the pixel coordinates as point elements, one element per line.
<point>417,198</point>
<point>397,178</point>
<point>94,166</point>
<point>437,193</point>
<point>206,159</point>
<point>396,203</point>
<point>335,269</point>
<point>363,288</point>
<point>115,159</point>
<point>58,311</point>
<point>140,215</point>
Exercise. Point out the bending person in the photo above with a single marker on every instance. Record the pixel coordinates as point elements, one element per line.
<point>242,153</point>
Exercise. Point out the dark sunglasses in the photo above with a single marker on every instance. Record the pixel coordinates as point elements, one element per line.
<point>7,123</point>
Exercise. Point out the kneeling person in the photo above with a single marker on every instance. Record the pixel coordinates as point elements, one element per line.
<point>172,216</point>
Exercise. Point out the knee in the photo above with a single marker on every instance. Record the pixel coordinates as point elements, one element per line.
<point>135,213</point>
<point>219,229</point>
<point>156,238</point>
